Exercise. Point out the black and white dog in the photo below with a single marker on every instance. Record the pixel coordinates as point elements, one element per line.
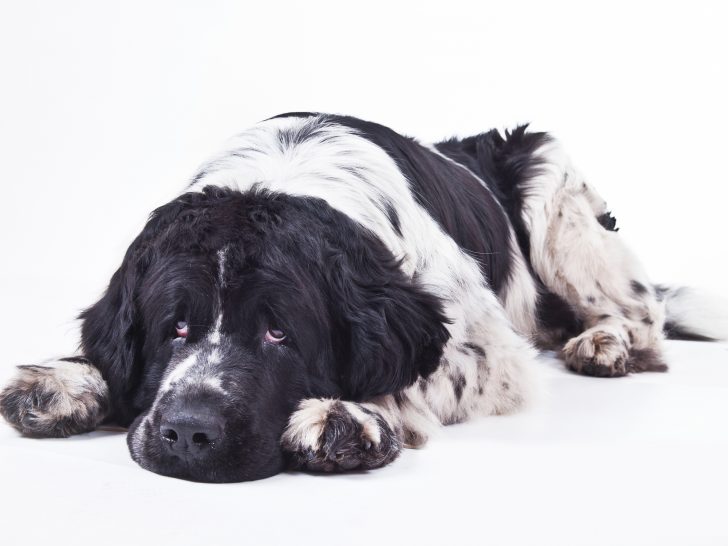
<point>326,291</point>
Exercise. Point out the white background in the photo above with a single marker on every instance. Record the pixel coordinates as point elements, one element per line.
<point>108,107</point>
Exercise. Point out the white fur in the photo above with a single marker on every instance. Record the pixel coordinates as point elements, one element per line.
<point>519,295</point>
<point>199,368</point>
<point>307,423</point>
<point>697,312</point>
<point>214,336</point>
<point>214,382</point>
<point>576,258</point>
<point>136,445</point>
<point>370,427</point>
<point>78,390</point>
<point>306,426</point>
<point>179,372</point>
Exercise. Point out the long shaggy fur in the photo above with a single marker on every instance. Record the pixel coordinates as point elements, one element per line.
<point>326,291</point>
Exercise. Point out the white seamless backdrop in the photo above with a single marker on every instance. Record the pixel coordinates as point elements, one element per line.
<point>108,107</point>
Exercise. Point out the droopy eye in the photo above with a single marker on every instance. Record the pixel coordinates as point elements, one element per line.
<point>273,335</point>
<point>181,328</point>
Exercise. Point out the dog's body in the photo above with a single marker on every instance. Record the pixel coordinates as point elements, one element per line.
<point>326,291</point>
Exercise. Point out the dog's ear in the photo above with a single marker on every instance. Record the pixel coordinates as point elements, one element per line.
<point>393,330</point>
<point>109,339</point>
<point>112,333</point>
<point>112,336</point>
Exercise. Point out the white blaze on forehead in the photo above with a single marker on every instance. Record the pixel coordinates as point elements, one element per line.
<point>180,371</point>
<point>214,336</point>
<point>221,260</point>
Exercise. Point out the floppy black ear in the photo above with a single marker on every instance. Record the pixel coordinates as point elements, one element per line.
<point>394,331</point>
<point>112,336</point>
<point>109,340</point>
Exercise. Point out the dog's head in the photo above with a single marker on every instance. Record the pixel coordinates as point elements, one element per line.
<point>230,308</point>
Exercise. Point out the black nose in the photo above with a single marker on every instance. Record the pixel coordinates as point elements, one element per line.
<point>191,434</point>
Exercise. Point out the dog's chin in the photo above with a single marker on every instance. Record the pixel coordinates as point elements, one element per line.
<point>176,468</point>
<point>146,450</point>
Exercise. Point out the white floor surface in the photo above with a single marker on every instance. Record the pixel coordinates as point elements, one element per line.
<point>637,460</point>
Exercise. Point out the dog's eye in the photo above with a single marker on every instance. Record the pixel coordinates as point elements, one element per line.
<point>274,335</point>
<point>181,328</point>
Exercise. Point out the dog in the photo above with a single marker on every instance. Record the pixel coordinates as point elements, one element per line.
<point>325,292</point>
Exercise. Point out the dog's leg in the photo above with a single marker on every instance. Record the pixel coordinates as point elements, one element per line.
<point>579,256</point>
<point>55,399</point>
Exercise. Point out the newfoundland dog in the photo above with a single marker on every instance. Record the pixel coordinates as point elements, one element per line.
<point>325,291</point>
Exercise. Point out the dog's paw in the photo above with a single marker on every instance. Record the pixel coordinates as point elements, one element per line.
<point>598,352</point>
<point>335,436</point>
<point>55,399</point>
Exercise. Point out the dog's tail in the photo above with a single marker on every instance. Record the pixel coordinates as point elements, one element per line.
<point>694,315</point>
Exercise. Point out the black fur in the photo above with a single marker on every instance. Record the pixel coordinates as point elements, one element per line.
<point>356,326</point>
<point>608,221</point>
<point>505,164</point>
<point>638,288</point>
<point>75,359</point>
<point>676,331</point>
<point>465,210</point>
<point>477,349</point>
<point>558,322</point>
<point>645,360</point>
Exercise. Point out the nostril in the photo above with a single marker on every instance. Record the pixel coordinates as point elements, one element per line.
<point>170,434</point>
<point>201,439</point>
<point>188,435</point>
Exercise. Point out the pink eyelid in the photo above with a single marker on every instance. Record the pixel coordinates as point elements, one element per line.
<point>270,338</point>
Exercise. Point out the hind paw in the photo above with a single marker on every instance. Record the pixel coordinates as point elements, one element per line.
<point>597,352</point>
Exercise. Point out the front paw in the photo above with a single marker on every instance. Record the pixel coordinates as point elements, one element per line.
<point>335,436</point>
<point>55,399</point>
<point>597,352</point>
